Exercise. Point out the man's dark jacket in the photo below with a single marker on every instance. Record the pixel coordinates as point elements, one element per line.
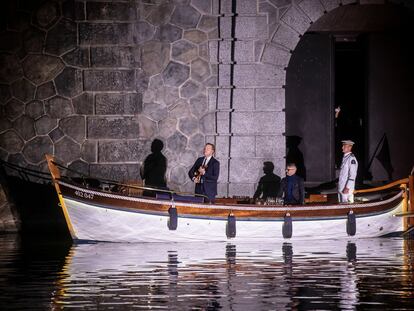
<point>208,185</point>
<point>298,191</point>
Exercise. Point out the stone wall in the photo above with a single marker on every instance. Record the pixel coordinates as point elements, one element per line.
<point>94,82</point>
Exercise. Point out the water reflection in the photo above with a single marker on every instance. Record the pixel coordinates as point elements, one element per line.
<point>334,274</point>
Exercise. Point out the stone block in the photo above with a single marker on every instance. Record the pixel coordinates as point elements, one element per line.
<point>258,122</point>
<point>224,74</point>
<point>178,175</point>
<point>155,56</point>
<point>276,55</point>
<point>270,99</point>
<point>251,27</point>
<point>160,14</point>
<point>241,189</point>
<point>141,80</point>
<point>83,104</point>
<point>180,109</point>
<point>58,107</point>
<point>10,69</point>
<point>116,11</point>
<point>80,167</point>
<point>34,150</point>
<point>116,172</point>
<point>115,56</point>
<point>296,19</point>
<point>113,127</point>
<point>203,50</point>
<point>246,7</point>
<point>258,75</point>
<point>222,146</point>
<point>243,146</point>
<point>244,51</point>
<point>74,127</point>
<point>272,146</point>
<point>69,82</point>
<point>122,150</point>
<point>13,109</point>
<point>147,127</point>
<point>185,16</point>
<point>245,170</point>
<point>222,122</point>
<point>272,12</point>
<point>198,105</point>
<point>105,33</point>
<point>25,127</point>
<point>61,38</point>
<point>169,33</point>
<point>45,124</point>
<point>117,104</point>
<point>11,142</point>
<point>243,99</point>
<point>89,151</point>
<point>23,90</point>
<point>224,171</point>
<point>74,10</point>
<point>167,127</point>
<point>189,89</point>
<point>188,125</point>
<point>177,143</point>
<point>175,74</point>
<point>45,90</point>
<point>196,142</point>
<point>67,150</point>
<point>188,157</point>
<point>109,80</point>
<point>281,3</point>
<point>313,9</point>
<point>200,70</point>
<point>286,36</point>
<point>41,68</point>
<point>184,51</point>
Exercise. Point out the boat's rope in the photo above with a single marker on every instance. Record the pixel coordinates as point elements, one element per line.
<point>233,207</point>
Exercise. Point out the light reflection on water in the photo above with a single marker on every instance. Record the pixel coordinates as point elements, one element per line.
<point>324,275</point>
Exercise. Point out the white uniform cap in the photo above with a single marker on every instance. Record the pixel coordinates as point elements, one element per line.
<point>348,142</point>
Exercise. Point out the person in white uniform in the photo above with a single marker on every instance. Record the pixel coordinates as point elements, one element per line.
<point>348,173</point>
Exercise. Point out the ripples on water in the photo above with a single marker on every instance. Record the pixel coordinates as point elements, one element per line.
<point>372,274</point>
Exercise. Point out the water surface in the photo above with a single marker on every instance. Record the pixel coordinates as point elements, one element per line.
<point>374,274</point>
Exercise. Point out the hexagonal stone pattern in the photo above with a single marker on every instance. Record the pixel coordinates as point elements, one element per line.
<point>34,109</point>
<point>56,134</point>
<point>74,127</point>
<point>178,175</point>
<point>155,56</point>
<point>177,142</point>
<point>188,125</point>
<point>41,68</point>
<point>34,150</point>
<point>47,14</point>
<point>66,150</point>
<point>45,124</point>
<point>10,68</point>
<point>155,111</point>
<point>23,90</point>
<point>160,14</point>
<point>175,74</point>
<point>189,89</point>
<point>45,90</point>
<point>69,82</point>
<point>4,93</point>
<point>33,40</point>
<point>13,109</point>
<point>184,51</point>
<point>4,124</point>
<point>25,127</point>
<point>167,127</point>
<point>61,38</point>
<point>196,142</point>
<point>58,107</point>
<point>200,70</point>
<point>169,33</point>
<point>83,104</point>
<point>11,142</point>
<point>198,105</point>
<point>185,17</point>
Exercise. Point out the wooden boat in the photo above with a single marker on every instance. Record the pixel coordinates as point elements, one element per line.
<point>94,214</point>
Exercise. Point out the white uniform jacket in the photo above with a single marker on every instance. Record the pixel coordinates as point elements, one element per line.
<point>348,172</point>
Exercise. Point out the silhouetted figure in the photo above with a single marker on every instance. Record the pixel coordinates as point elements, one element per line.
<point>269,184</point>
<point>154,168</point>
<point>294,155</point>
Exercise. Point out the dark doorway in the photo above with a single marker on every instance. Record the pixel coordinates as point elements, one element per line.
<point>350,96</point>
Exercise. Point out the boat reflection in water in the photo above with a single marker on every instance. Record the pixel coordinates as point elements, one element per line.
<point>279,276</point>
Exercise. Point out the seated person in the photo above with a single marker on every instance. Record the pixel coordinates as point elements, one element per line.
<point>269,184</point>
<point>292,188</point>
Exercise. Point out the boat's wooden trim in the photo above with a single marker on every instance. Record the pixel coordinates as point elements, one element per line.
<point>385,187</point>
<point>54,171</point>
<point>135,204</point>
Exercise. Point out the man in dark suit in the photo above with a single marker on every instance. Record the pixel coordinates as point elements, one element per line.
<point>292,189</point>
<point>205,172</point>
